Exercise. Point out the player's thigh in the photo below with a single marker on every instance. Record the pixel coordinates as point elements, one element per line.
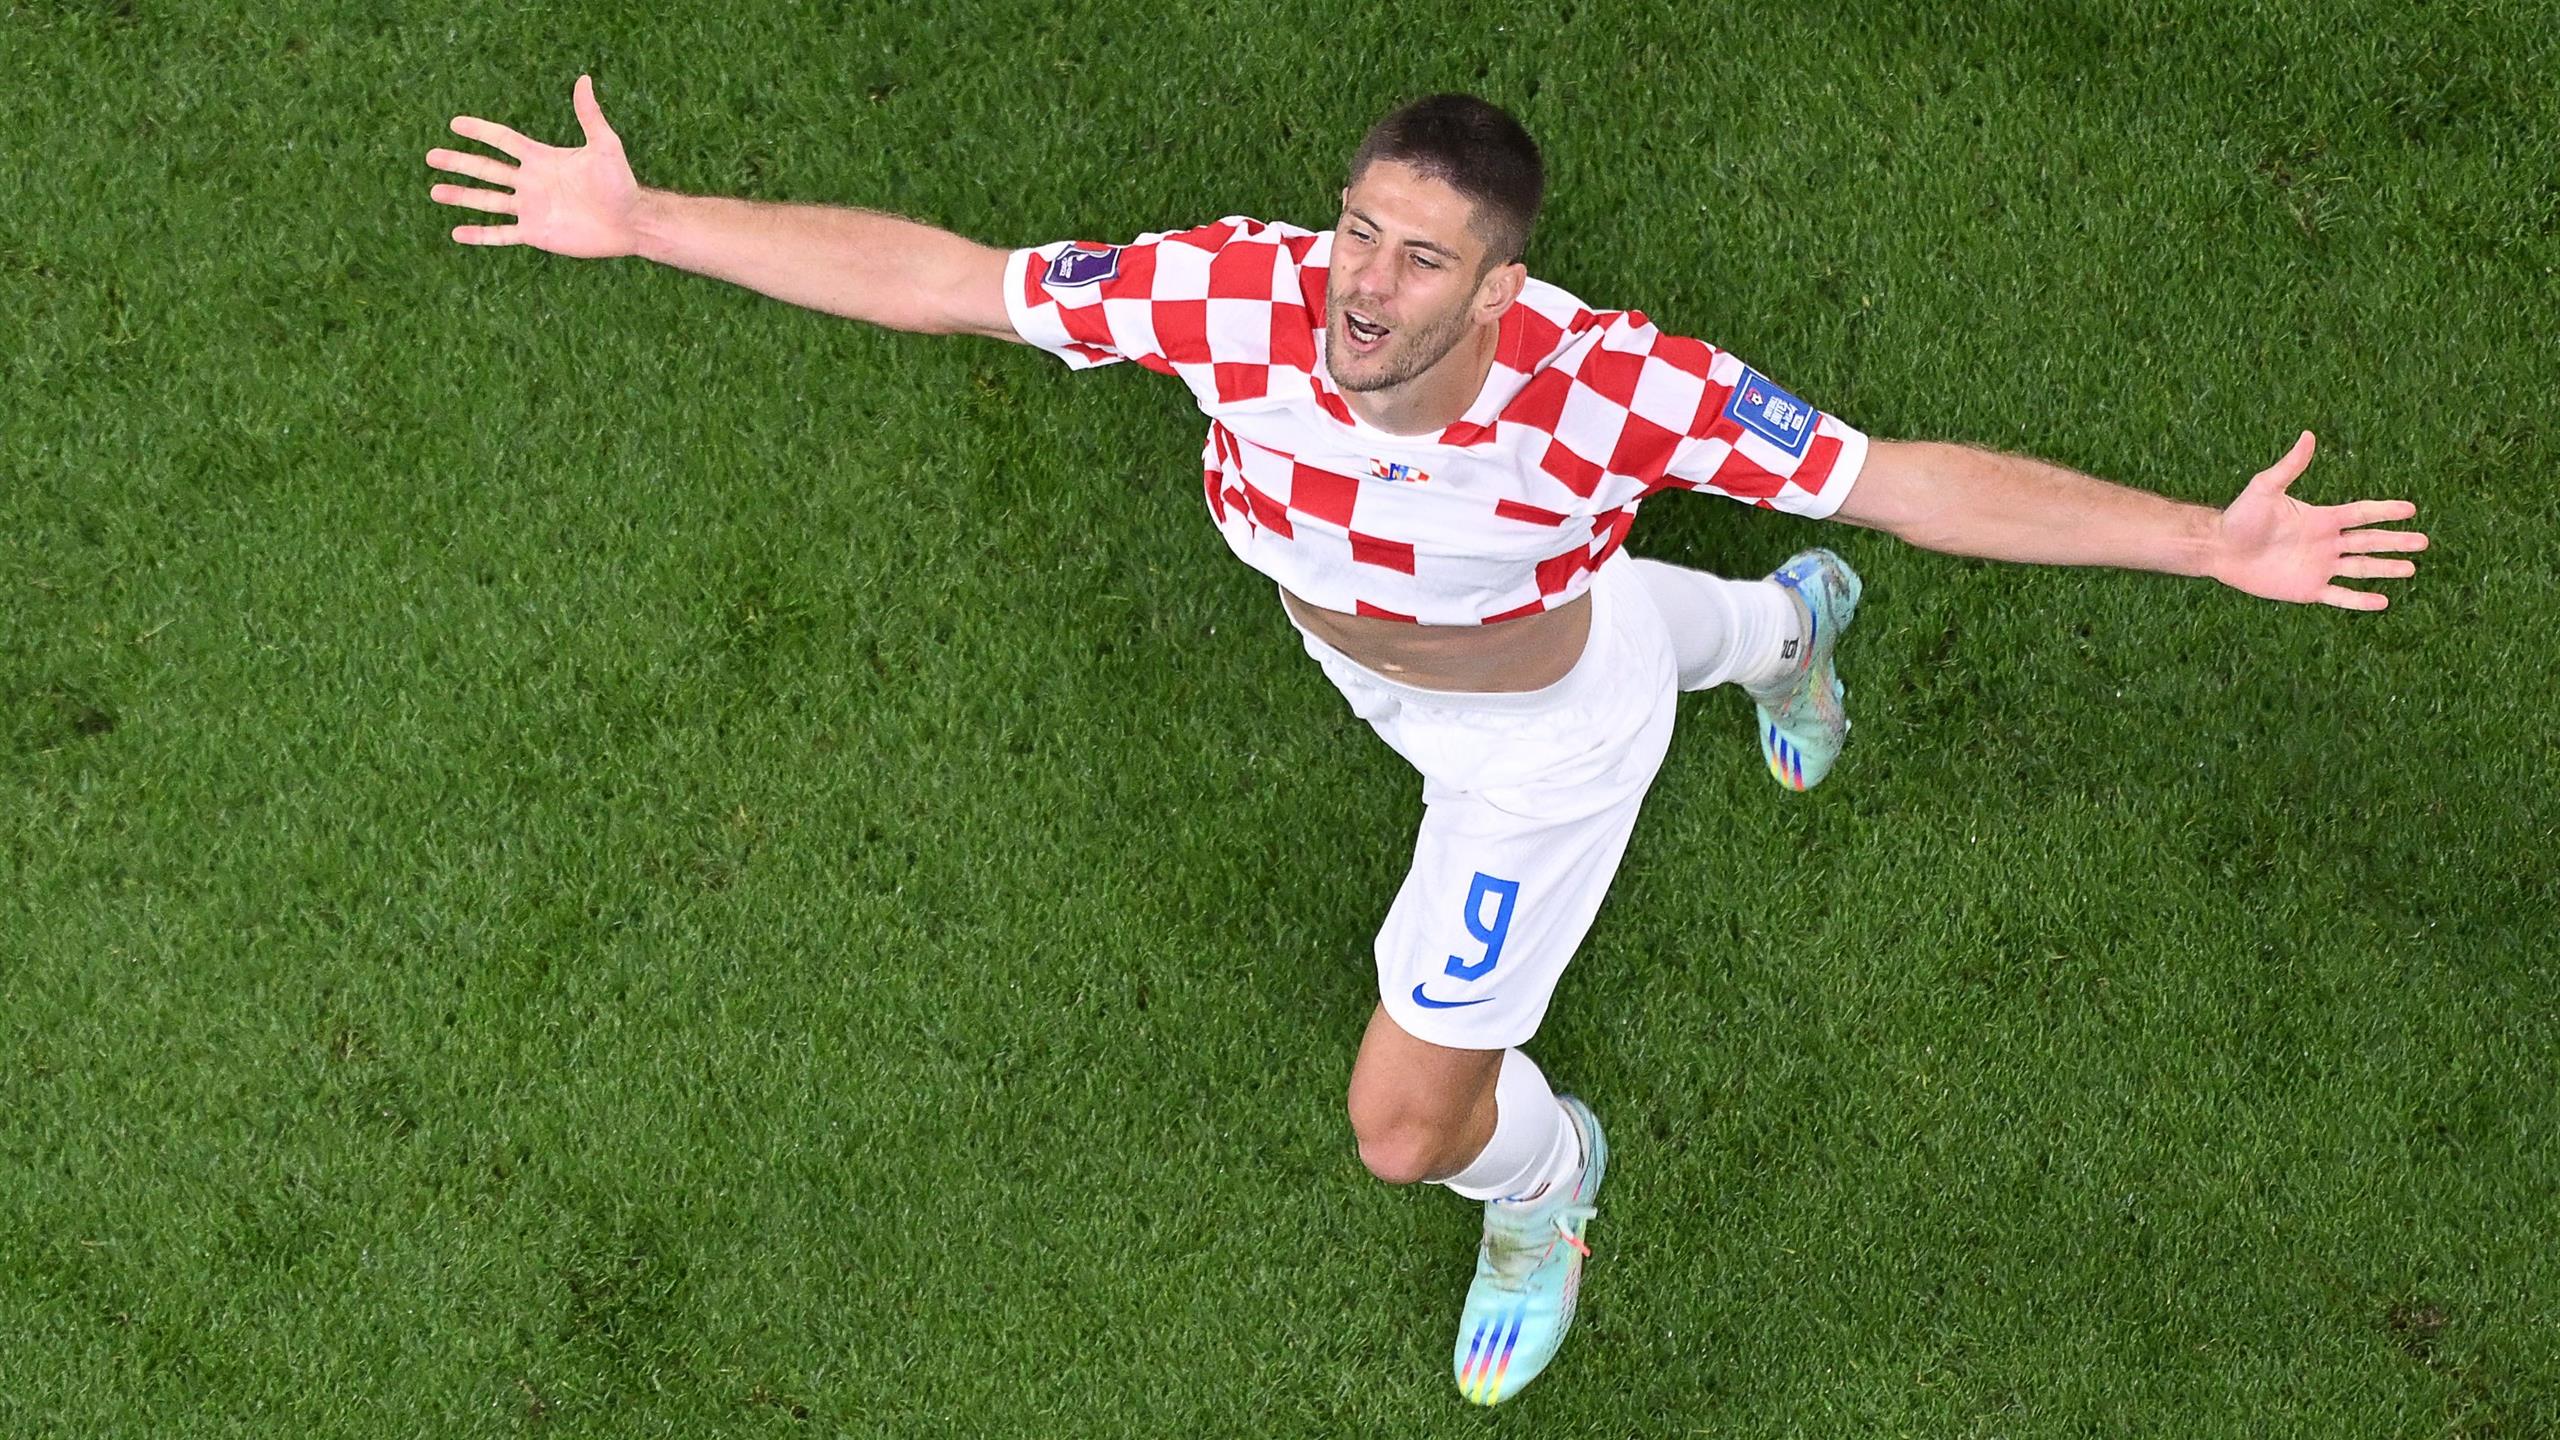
<point>1498,900</point>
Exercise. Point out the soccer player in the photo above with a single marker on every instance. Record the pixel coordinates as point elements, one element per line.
<point>1436,458</point>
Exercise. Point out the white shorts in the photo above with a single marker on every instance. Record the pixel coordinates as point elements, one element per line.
<point>1528,800</point>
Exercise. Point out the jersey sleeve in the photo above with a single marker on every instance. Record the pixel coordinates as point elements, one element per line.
<point>1688,416</point>
<point>1209,304</point>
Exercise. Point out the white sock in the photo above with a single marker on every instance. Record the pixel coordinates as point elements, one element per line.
<point>1533,1144</point>
<point>1742,632</point>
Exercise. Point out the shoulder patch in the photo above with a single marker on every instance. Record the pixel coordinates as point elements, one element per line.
<point>1770,413</point>
<point>1079,265</point>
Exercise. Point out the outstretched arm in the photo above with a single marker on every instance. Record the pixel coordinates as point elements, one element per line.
<point>585,202</point>
<point>1965,501</point>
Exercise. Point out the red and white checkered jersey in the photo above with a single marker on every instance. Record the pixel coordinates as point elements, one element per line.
<point>1505,513</point>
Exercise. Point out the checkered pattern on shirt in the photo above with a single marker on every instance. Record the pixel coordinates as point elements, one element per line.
<point>1585,413</point>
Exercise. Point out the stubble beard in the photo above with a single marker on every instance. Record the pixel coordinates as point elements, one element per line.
<point>1424,348</point>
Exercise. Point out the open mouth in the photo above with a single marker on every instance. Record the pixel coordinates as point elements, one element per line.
<point>1366,335</point>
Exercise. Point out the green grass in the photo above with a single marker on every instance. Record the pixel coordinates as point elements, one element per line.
<point>587,854</point>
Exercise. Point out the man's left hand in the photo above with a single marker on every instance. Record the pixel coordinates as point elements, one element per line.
<point>2272,545</point>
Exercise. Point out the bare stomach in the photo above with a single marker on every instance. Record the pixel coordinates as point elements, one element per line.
<point>1529,653</point>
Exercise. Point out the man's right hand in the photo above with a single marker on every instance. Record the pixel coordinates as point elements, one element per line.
<point>582,202</point>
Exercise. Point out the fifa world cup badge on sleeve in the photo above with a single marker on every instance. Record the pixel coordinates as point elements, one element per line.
<point>1083,265</point>
<point>1770,413</point>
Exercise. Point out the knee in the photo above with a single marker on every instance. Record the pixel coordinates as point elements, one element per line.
<point>1401,1157</point>
<point>1399,1146</point>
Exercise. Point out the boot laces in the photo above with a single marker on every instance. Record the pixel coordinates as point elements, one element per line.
<point>1516,1251</point>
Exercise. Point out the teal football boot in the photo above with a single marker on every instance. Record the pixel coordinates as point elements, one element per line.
<point>1528,1274</point>
<point>1802,721</point>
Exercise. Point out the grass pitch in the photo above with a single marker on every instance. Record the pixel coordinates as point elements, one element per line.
<point>588,854</point>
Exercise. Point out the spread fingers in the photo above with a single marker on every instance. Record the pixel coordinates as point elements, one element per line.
<point>496,202</point>
<point>478,167</point>
<point>491,133</point>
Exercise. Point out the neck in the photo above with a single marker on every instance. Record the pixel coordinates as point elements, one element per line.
<point>1435,399</point>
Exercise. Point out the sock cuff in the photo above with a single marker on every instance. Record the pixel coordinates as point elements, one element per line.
<point>1533,1142</point>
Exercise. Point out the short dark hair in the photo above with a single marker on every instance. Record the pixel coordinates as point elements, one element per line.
<point>1475,148</point>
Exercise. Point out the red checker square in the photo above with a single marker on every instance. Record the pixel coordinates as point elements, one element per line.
<point>1269,513</point>
<point>1137,277</point>
<point>1514,510</point>
<point>1242,382</point>
<point>1557,571</point>
<point>1242,271</point>
<point>1540,403</point>
<point>1518,612</point>
<point>1322,494</point>
<point>1579,475</point>
<point>1205,237</point>
<point>1644,448</point>
<point>1534,337</point>
<point>1818,464</point>
<point>1182,330</point>
<point>1385,554</point>
<point>1711,423</point>
<point>1613,373</point>
<point>1379,612</point>
<point>1742,479</point>
<point>1613,533</point>
<point>1690,357</point>
<point>1293,337</point>
<point>1217,502</point>
<point>1088,324</point>
<point>1332,405</point>
<point>1089,352</point>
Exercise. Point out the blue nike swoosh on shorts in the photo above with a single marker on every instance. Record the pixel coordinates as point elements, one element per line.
<point>1430,1004</point>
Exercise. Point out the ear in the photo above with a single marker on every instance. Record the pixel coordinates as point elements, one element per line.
<point>1500,286</point>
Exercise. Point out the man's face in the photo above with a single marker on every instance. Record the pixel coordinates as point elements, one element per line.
<point>1407,281</point>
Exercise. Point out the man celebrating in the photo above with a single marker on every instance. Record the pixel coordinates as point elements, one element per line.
<point>1437,458</point>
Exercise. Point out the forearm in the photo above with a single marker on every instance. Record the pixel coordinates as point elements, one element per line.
<point>1964,501</point>
<point>856,263</point>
